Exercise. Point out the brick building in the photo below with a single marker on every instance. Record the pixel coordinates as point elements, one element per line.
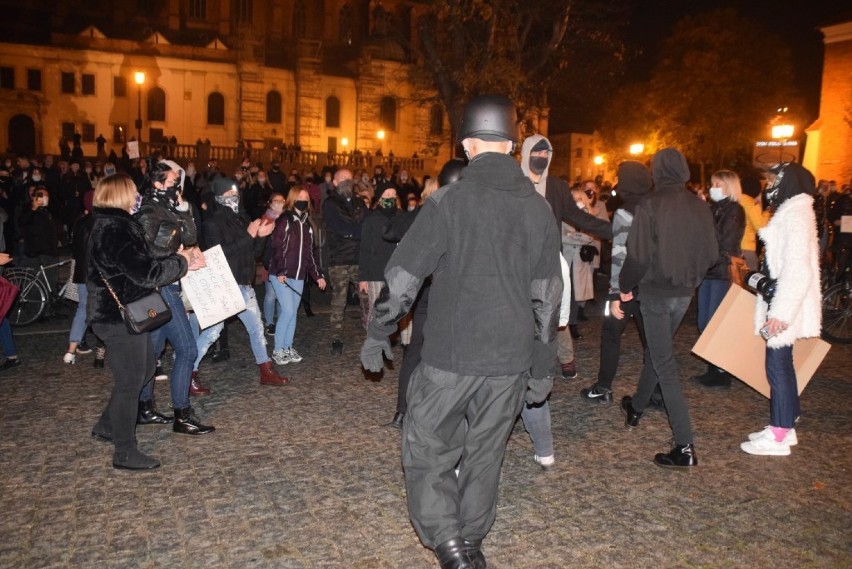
<point>828,153</point>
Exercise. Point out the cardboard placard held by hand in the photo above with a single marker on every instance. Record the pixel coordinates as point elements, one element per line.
<point>730,343</point>
<point>213,291</point>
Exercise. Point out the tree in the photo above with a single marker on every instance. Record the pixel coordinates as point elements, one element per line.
<point>712,94</point>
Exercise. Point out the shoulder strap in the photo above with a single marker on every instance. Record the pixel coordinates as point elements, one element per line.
<point>111,291</point>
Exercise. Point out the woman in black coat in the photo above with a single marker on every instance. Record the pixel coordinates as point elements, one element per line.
<point>120,254</point>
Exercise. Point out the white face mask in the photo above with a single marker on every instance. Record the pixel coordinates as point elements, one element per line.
<point>581,205</point>
<point>717,194</point>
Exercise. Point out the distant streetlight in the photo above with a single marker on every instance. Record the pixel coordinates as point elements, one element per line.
<point>344,142</point>
<point>598,160</point>
<point>782,133</point>
<point>380,135</point>
<point>636,149</point>
<point>139,77</point>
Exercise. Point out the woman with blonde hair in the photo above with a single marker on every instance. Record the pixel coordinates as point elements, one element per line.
<point>121,260</point>
<point>582,270</point>
<point>729,218</point>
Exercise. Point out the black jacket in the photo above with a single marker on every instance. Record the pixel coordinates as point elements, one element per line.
<point>491,245</point>
<point>38,232</point>
<point>343,219</point>
<point>729,219</point>
<point>80,246</point>
<point>228,229</point>
<point>165,227</point>
<point>120,250</point>
<point>558,195</point>
<point>376,249</point>
<point>672,241</point>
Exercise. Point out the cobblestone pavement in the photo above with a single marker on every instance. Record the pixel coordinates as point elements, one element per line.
<point>307,476</point>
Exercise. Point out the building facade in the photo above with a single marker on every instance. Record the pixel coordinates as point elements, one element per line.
<point>578,156</point>
<point>322,76</point>
<point>828,153</point>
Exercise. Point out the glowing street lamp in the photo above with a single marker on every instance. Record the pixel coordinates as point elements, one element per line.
<point>782,133</point>
<point>636,149</point>
<point>380,135</point>
<point>139,77</point>
<point>598,160</point>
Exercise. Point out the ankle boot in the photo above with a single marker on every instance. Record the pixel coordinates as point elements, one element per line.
<point>474,551</point>
<point>186,423</point>
<point>132,459</point>
<point>308,311</point>
<point>633,416</point>
<point>681,456</point>
<point>268,376</point>
<point>195,387</point>
<point>453,554</point>
<point>150,415</point>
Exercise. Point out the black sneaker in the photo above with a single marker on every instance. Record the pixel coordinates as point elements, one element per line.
<point>270,329</point>
<point>10,363</point>
<point>680,457</point>
<point>83,348</point>
<point>597,394</point>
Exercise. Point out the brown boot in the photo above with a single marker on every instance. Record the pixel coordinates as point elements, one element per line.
<point>268,376</point>
<point>195,387</point>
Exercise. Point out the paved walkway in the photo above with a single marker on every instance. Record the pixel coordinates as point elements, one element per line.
<point>306,476</point>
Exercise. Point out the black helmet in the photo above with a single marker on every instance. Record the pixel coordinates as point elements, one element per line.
<point>451,171</point>
<point>489,117</point>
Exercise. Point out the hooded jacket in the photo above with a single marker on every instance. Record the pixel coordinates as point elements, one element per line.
<point>228,229</point>
<point>634,182</point>
<point>491,245</point>
<point>729,220</point>
<point>292,250</point>
<point>672,241</point>
<point>557,193</point>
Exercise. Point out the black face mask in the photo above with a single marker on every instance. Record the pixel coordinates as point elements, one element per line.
<point>301,205</point>
<point>538,164</point>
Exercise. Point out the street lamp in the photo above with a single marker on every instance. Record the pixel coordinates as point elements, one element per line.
<point>782,133</point>
<point>139,77</point>
<point>598,160</point>
<point>344,142</point>
<point>380,135</point>
<point>636,149</point>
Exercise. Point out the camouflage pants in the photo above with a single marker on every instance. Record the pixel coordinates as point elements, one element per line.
<point>340,276</point>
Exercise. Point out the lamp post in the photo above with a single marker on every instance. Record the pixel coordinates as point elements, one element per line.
<point>139,77</point>
<point>637,149</point>
<point>782,133</point>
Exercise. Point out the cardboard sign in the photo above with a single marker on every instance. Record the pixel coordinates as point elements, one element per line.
<point>730,343</point>
<point>213,291</point>
<point>133,149</point>
<point>846,224</point>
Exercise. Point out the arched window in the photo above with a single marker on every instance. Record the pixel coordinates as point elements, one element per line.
<point>273,107</point>
<point>344,24</point>
<point>215,108</point>
<point>299,19</point>
<point>332,112</point>
<point>388,113</point>
<point>436,120</point>
<point>156,104</point>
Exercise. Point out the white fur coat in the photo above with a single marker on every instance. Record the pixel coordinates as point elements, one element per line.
<point>792,255</point>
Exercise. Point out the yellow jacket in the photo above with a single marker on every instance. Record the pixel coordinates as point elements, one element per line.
<point>756,218</point>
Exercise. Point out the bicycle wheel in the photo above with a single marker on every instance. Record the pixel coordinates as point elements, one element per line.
<point>31,300</point>
<point>837,314</point>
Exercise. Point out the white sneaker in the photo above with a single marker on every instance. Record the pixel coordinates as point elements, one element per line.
<point>70,358</point>
<point>791,438</point>
<point>294,355</point>
<point>766,447</point>
<point>545,461</point>
<point>280,357</point>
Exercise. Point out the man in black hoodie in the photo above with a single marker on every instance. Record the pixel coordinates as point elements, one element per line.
<point>491,245</point>
<point>671,244</point>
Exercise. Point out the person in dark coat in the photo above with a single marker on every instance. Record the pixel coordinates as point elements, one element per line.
<point>242,243</point>
<point>80,252</point>
<point>120,254</point>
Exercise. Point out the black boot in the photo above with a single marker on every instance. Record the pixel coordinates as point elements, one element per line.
<point>717,378</point>
<point>102,430</point>
<point>396,423</point>
<point>220,353</point>
<point>150,415</point>
<point>474,551</point>
<point>575,332</point>
<point>453,554</point>
<point>187,423</point>
<point>681,456</point>
<point>308,311</point>
<point>633,415</point>
<point>132,459</point>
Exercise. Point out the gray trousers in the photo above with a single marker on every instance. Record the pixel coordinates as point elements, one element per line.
<point>536,420</point>
<point>661,318</point>
<point>434,440</point>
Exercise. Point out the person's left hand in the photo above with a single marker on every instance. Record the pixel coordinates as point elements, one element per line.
<point>265,228</point>
<point>197,259</point>
<point>321,284</point>
<point>5,258</point>
<point>538,389</point>
<point>372,352</point>
<point>775,326</point>
<point>253,227</point>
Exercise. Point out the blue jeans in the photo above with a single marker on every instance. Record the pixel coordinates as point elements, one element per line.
<point>710,296</point>
<point>250,317</point>
<point>661,317</point>
<point>179,334</point>
<point>285,327</point>
<point>269,301</point>
<point>78,325</point>
<point>7,342</point>
<point>783,388</point>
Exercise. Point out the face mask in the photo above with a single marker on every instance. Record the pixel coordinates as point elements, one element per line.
<point>170,193</point>
<point>403,179</point>
<point>277,207</point>
<point>581,205</point>
<point>365,178</point>
<point>44,201</point>
<point>301,205</point>
<point>412,207</point>
<point>190,172</point>
<point>538,164</point>
<point>109,170</point>
<point>36,178</point>
<point>345,188</point>
<point>136,205</point>
<point>261,181</point>
<point>232,202</point>
<point>717,194</point>
<point>328,179</point>
<point>388,203</point>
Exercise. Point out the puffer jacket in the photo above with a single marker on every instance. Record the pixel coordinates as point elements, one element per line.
<point>729,220</point>
<point>293,248</point>
<point>792,256</point>
<point>165,227</point>
<point>119,249</point>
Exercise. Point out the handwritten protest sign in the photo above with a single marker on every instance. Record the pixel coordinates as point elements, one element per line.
<point>133,150</point>
<point>213,291</point>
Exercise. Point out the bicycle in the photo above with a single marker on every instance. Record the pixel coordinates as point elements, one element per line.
<point>36,297</point>
<point>836,305</point>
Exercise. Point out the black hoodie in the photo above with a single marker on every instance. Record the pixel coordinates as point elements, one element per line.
<point>672,241</point>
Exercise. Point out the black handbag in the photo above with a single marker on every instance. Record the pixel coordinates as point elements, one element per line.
<point>142,315</point>
<point>587,253</point>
